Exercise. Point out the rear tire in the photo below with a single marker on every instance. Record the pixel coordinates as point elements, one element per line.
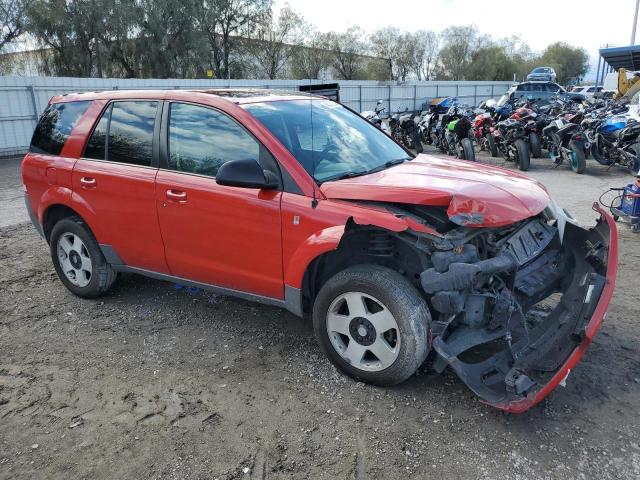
<point>468,153</point>
<point>522,150</point>
<point>342,314</point>
<point>534,144</point>
<point>491,143</point>
<point>578,160</point>
<point>78,260</point>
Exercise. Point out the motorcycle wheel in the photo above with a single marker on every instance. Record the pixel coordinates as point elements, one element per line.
<point>491,143</point>
<point>417,141</point>
<point>534,144</point>
<point>578,160</point>
<point>522,151</point>
<point>597,154</point>
<point>467,150</point>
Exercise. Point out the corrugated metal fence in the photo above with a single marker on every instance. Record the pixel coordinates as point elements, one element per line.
<point>22,99</point>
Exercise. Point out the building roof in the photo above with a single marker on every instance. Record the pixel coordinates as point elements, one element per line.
<point>622,57</point>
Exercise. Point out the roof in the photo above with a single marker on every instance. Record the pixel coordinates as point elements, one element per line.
<point>622,57</point>
<point>235,95</point>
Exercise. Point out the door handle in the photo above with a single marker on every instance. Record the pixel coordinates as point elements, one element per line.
<point>177,196</point>
<point>88,182</point>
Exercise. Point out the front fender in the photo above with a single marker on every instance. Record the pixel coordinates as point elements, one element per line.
<point>320,242</point>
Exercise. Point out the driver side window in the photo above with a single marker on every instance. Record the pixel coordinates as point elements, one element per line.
<point>202,139</point>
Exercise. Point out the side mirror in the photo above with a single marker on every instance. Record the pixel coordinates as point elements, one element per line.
<point>246,174</point>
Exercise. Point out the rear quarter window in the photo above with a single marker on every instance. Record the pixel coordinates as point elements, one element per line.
<point>55,125</point>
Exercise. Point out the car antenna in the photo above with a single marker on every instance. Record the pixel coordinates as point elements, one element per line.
<point>314,201</point>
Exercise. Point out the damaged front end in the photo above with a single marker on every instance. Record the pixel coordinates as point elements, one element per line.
<point>514,308</point>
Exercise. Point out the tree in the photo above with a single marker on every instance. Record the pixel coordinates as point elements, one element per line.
<point>568,62</point>
<point>347,51</point>
<point>458,45</point>
<point>13,21</point>
<point>384,44</point>
<point>168,39</point>
<point>490,63</point>
<point>222,21</point>
<point>118,37</point>
<point>69,29</point>
<point>310,57</point>
<point>271,48</point>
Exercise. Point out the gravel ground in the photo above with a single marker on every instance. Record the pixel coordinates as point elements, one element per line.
<point>158,381</point>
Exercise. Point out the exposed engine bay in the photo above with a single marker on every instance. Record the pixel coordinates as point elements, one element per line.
<point>509,305</point>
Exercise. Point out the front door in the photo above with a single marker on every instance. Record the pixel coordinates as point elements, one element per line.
<point>224,236</point>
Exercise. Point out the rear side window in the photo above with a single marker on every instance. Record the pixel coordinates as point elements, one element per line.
<point>124,133</point>
<point>55,125</point>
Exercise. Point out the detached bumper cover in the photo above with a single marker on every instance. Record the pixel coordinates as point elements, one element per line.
<point>517,377</point>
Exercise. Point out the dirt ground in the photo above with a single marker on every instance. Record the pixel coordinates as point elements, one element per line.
<point>158,381</point>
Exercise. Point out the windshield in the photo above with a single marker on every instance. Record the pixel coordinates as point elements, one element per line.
<point>541,70</point>
<point>337,144</point>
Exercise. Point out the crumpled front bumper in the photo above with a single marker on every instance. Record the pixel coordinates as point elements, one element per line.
<point>515,382</point>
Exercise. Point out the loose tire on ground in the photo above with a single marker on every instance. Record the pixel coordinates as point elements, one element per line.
<point>400,299</point>
<point>83,253</point>
<point>523,159</point>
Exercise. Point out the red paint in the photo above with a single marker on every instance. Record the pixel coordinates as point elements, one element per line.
<point>591,329</point>
<point>225,236</point>
<point>502,197</point>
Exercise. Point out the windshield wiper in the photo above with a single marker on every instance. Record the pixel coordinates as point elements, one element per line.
<point>358,173</point>
<point>342,176</point>
<point>388,164</point>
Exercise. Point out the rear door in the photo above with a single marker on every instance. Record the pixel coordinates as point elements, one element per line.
<point>219,235</point>
<point>115,179</point>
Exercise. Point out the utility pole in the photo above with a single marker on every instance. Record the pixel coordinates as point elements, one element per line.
<point>635,23</point>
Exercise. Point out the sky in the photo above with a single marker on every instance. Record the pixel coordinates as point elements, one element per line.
<point>588,23</point>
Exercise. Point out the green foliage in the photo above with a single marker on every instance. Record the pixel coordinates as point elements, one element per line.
<point>568,62</point>
<point>245,38</point>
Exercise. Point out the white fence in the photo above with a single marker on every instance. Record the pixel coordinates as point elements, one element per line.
<point>22,99</point>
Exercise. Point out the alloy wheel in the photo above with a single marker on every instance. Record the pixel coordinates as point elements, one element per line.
<point>363,331</point>
<point>74,259</point>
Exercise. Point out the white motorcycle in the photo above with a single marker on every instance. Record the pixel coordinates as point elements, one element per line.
<point>373,116</point>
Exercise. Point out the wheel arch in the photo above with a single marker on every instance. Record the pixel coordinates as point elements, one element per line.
<point>55,212</point>
<point>349,245</point>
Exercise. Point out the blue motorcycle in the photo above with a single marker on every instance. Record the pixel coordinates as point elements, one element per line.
<point>615,141</point>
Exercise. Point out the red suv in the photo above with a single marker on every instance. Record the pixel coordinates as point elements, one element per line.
<point>297,201</point>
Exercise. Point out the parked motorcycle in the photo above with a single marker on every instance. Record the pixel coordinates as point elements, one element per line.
<point>405,131</point>
<point>452,134</point>
<point>374,116</point>
<point>511,139</point>
<point>616,142</point>
<point>566,144</point>
<point>482,125</point>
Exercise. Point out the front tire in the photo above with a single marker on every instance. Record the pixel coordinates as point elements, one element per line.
<point>372,324</point>
<point>468,153</point>
<point>534,143</point>
<point>491,143</point>
<point>522,151</point>
<point>417,141</point>
<point>78,260</point>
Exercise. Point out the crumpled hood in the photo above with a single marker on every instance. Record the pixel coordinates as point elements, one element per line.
<point>475,194</point>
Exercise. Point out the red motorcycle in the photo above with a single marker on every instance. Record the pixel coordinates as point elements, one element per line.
<point>482,128</point>
<point>528,118</point>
